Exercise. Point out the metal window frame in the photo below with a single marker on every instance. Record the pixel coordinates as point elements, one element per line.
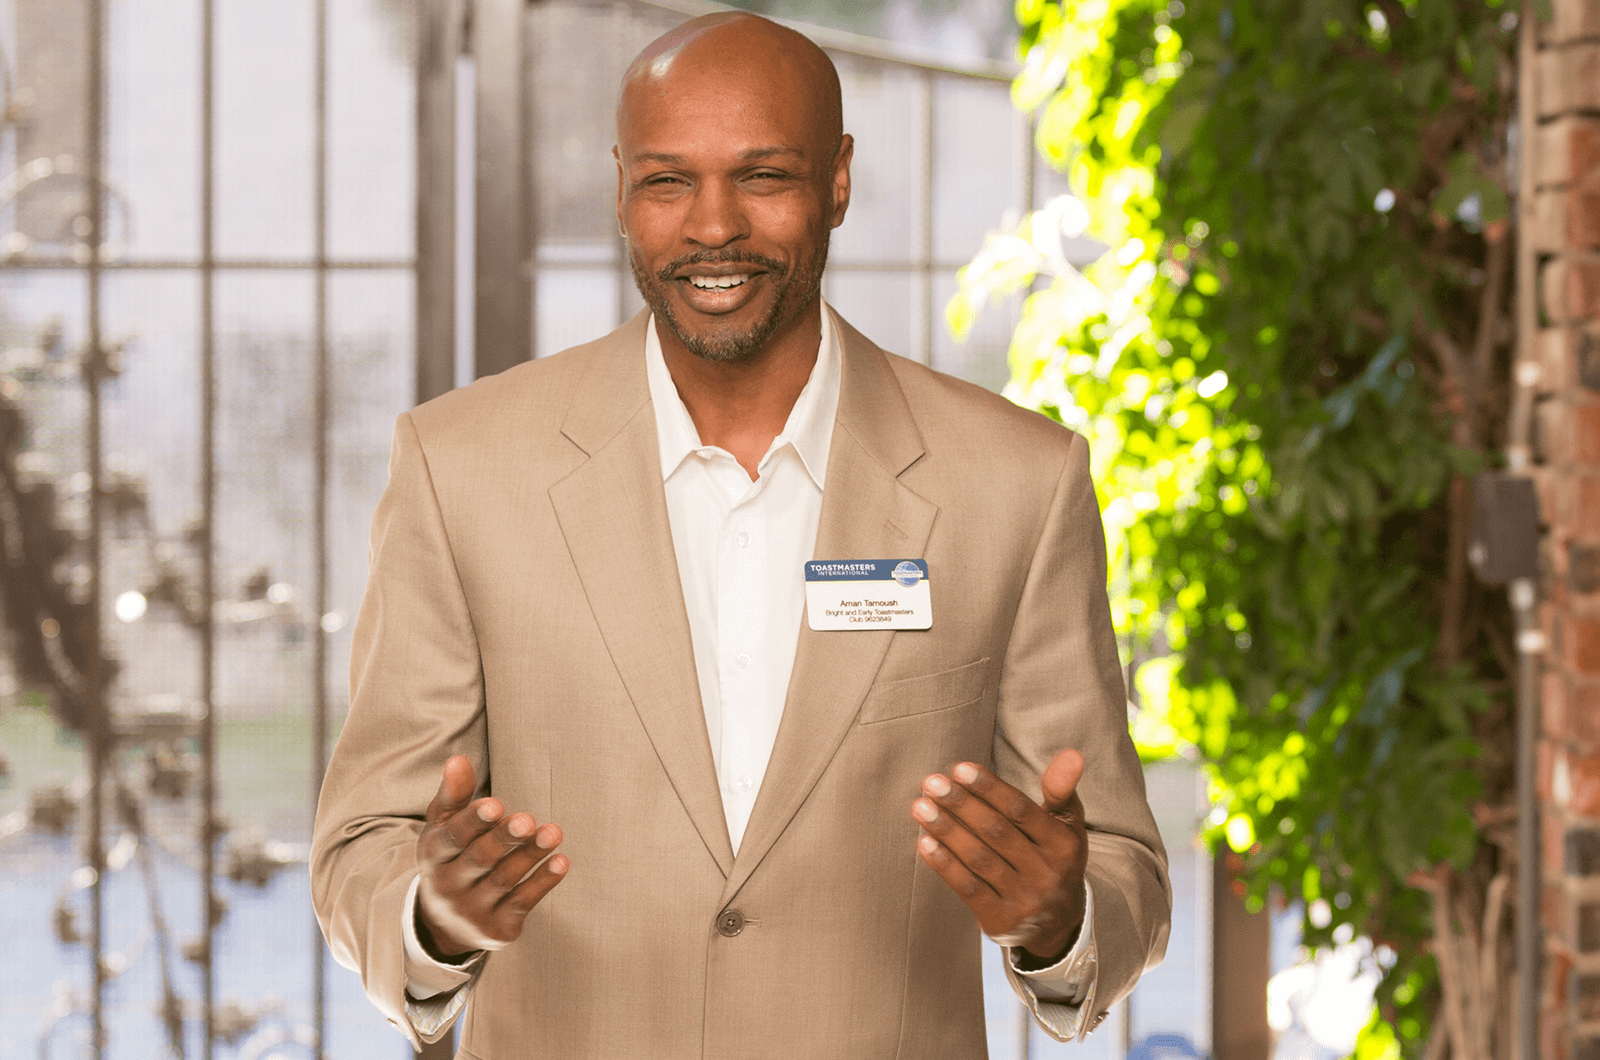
<point>206,266</point>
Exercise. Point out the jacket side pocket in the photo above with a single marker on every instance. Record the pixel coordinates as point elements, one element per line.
<point>926,693</point>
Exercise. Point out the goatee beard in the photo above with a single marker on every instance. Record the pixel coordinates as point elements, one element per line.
<point>795,290</point>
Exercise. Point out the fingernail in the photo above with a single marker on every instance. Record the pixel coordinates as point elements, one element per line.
<point>487,813</point>
<point>558,865</point>
<point>544,840</point>
<point>928,844</point>
<point>924,810</point>
<point>966,773</point>
<point>518,827</point>
<point>936,786</point>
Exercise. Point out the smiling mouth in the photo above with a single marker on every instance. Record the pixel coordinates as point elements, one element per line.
<point>718,283</point>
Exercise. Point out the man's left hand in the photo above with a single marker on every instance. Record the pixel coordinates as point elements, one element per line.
<point>1018,865</point>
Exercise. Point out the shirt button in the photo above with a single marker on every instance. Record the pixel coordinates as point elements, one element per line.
<point>743,539</point>
<point>743,784</point>
<point>730,923</point>
<point>743,661</point>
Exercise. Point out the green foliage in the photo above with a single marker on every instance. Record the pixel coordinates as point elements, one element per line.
<point>1298,197</point>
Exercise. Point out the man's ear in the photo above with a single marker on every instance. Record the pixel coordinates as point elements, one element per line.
<point>616,156</point>
<point>841,178</point>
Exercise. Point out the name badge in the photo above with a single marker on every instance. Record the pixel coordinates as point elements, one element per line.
<point>868,594</point>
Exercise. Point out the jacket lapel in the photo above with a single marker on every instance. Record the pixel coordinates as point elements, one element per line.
<point>866,514</point>
<point>613,515</point>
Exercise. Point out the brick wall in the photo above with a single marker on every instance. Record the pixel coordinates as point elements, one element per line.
<point>1564,152</point>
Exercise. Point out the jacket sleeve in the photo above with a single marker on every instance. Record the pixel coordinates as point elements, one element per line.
<point>1062,686</point>
<point>416,698</point>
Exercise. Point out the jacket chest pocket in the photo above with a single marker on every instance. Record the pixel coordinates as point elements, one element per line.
<point>926,693</point>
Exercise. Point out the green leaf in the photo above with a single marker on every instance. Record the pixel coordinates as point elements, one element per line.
<point>1384,690</point>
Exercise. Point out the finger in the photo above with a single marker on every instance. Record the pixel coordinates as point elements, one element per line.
<point>986,823</point>
<point>455,789</point>
<point>452,836</point>
<point>1028,816</point>
<point>977,856</point>
<point>976,893</point>
<point>519,902</point>
<point>508,872</point>
<point>491,847</point>
<point>1061,779</point>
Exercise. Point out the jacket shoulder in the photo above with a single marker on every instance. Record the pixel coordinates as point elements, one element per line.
<point>542,386</point>
<point>953,412</point>
<point>540,391</point>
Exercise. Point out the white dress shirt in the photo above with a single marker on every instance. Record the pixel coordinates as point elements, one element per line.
<point>741,546</point>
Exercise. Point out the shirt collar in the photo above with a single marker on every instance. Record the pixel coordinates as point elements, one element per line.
<point>809,427</point>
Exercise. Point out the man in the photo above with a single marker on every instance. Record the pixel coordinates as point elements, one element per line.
<point>589,595</point>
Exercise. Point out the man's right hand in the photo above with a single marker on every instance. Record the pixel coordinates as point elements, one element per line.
<point>472,894</point>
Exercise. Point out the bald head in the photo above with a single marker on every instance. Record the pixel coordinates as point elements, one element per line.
<point>776,61</point>
<point>732,169</point>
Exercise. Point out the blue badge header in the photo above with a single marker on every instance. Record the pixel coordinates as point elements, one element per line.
<point>905,571</point>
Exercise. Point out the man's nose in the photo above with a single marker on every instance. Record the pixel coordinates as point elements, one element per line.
<point>716,216</point>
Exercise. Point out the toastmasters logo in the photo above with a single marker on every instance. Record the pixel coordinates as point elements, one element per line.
<point>907,573</point>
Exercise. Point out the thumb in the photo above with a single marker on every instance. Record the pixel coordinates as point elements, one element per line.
<point>1061,778</point>
<point>455,788</point>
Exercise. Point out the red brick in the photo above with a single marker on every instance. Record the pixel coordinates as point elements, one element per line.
<point>1585,507</point>
<point>1566,219</point>
<point>1570,286</point>
<point>1547,484</point>
<point>1552,434</point>
<point>1554,588</point>
<point>1558,980</point>
<point>1553,705</point>
<point>1567,150</point>
<point>1583,714</point>
<point>1553,910</point>
<point>1554,352</point>
<point>1583,215</point>
<point>1568,79</point>
<point>1553,844</point>
<point>1586,433</point>
<point>1548,752</point>
<point>1582,634</point>
<point>1585,771</point>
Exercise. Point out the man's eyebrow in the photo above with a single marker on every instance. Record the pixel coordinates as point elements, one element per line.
<point>753,155</point>
<point>756,153</point>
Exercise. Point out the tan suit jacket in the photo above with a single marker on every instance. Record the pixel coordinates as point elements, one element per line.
<point>523,609</point>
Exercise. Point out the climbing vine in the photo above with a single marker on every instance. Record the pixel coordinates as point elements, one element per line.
<point>1290,360</point>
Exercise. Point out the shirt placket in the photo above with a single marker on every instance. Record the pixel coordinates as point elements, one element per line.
<point>742,601</point>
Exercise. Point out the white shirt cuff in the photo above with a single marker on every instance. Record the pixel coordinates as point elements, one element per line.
<point>1061,997</point>
<point>435,992</point>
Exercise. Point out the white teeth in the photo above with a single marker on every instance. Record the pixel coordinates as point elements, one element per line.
<point>717,283</point>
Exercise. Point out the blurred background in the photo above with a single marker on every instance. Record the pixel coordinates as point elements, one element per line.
<point>236,239</point>
<point>308,228</point>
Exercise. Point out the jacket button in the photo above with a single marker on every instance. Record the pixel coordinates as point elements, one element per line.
<point>730,923</point>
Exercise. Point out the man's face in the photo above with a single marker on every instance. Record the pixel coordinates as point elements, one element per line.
<point>727,191</point>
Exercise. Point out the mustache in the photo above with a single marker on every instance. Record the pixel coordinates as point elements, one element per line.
<point>668,272</point>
